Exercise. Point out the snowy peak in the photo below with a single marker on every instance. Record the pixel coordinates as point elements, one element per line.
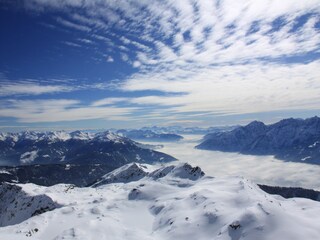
<point>134,172</point>
<point>108,136</point>
<point>127,173</point>
<point>57,136</point>
<point>30,135</point>
<point>187,130</point>
<point>186,171</point>
<point>149,135</point>
<point>256,126</point>
<point>78,135</point>
<point>50,136</point>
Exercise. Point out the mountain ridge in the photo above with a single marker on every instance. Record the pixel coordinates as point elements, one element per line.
<point>74,148</point>
<point>289,139</point>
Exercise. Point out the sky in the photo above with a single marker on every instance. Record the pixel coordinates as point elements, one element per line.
<point>99,64</point>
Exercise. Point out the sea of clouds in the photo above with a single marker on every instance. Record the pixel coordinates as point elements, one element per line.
<point>260,169</point>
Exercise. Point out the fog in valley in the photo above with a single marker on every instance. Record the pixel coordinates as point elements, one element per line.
<point>260,169</point>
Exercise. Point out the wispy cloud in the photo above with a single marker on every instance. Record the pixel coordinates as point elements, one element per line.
<point>108,101</point>
<point>72,44</point>
<point>235,89</point>
<point>30,88</point>
<point>86,41</point>
<point>204,32</point>
<point>69,24</point>
<point>53,110</point>
<point>224,57</point>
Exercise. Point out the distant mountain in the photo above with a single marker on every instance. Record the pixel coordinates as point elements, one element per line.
<point>289,139</point>
<point>148,135</point>
<point>78,147</point>
<point>187,130</point>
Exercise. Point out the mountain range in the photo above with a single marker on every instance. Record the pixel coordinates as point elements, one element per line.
<point>187,130</point>
<point>289,139</point>
<point>77,147</point>
<point>148,135</point>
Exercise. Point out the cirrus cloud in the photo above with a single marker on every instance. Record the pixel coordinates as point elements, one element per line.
<point>214,57</point>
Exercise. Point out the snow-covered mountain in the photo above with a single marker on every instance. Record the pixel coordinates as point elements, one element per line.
<point>187,130</point>
<point>289,139</point>
<point>134,171</point>
<point>73,148</point>
<point>148,135</point>
<point>173,202</point>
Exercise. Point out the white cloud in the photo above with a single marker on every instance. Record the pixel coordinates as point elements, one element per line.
<point>52,110</point>
<point>30,88</point>
<point>73,25</point>
<point>84,40</point>
<point>110,59</point>
<point>88,21</point>
<point>207,50</point>
<point>152,23</point>
<point>233,89</point>
<point>72,44</point>
<point>108,101</point>
<point>124,57</point>
<point>136,64</point>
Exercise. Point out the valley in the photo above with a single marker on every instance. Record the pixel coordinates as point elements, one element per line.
<point>216,163</point>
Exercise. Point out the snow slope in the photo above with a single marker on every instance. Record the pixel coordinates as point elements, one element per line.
<point>18,205</point>
<point>172,202</point>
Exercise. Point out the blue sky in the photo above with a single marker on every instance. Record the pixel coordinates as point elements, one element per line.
<point>80,64</point>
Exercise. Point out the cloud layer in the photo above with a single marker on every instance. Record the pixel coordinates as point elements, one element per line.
<point>53,110</point>
<point>219,164</point>
<point>207,57</point>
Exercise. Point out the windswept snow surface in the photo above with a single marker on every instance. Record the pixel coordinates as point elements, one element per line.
<point>172,205</point>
